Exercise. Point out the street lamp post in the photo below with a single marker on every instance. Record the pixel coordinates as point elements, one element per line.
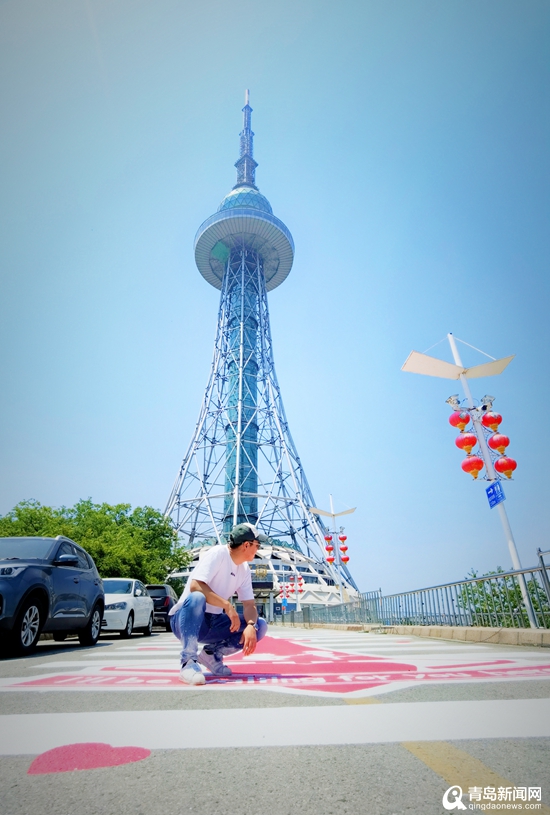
<point>430,366</point>
<point>332,514</point>
<point>294,585</point>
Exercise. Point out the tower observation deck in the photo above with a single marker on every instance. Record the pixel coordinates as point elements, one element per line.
<point>242,464</point>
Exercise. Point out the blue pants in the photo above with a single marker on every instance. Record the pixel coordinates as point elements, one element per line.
<point>193,625</point>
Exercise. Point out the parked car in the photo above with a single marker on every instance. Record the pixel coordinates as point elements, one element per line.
<point>47,585</point>
<point>164,597</point>
<point>128,607</point>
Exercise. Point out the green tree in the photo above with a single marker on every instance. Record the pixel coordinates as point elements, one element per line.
<point>139,543</point>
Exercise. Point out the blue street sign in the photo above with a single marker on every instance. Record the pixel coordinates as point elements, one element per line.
<point>495,494</point>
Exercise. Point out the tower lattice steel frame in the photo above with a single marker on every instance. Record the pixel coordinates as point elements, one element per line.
<point>242,464</point>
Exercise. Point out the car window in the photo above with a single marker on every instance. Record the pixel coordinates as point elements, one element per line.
<point>82,562</point>
<point>117,586</point>
<point>26,548</point>
<point>157,591</point>
<point>65,549</point>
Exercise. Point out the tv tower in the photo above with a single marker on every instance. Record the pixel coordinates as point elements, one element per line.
<point>242,464</point>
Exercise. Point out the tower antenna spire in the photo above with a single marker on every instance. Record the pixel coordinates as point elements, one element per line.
<point>246,166</point>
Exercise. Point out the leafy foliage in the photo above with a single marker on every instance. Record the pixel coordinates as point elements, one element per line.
<point>499,602</point>
<point>139,543</point>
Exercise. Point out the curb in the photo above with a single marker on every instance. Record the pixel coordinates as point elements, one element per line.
<point>539,638</point>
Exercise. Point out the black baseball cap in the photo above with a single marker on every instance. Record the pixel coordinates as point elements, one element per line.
<point>246,532</point>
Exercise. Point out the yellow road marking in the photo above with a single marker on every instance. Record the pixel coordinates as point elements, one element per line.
<point>455,766</point>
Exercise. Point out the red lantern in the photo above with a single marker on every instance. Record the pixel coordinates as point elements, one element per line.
<point>491,420</point>
<point>328,538</point>
<point>300,590</point>
<point>342,538</point>
<point>329,548</point>
<point>291,578</point>
<point>459,419</point>
<point>473,465</point>
<point>498,442</point>
<point>330,559</point>
<point>343,548</point>
<point>345,559</point>
<point>505,465</point>
<point>465,441</point>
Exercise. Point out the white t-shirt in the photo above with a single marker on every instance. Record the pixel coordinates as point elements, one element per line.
<point>217,570</point>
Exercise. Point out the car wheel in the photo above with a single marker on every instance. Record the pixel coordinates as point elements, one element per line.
<point>90,634</point>
<point>59,636</point>
<point>127,632</point>
<point>149,629</point>
<point>27,627</point>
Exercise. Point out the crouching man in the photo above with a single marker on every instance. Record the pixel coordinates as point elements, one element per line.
<point>204,614</point>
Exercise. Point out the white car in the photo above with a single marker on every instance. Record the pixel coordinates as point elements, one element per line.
<point>128,607</point>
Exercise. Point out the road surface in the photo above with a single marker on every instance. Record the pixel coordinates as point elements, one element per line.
<point>317,722</point>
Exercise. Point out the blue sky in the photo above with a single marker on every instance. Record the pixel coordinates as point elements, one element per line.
<point>405,145</point>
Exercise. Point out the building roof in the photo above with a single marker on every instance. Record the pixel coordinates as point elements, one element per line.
<point>245,196</point>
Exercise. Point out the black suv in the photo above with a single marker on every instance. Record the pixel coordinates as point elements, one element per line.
<point>164,597</point>
<point>47,585</point>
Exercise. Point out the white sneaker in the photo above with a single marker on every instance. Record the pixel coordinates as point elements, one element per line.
<point>191,674</point>
<point>214,664</point>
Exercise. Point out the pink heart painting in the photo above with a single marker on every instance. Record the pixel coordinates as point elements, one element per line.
<point>87,756</point>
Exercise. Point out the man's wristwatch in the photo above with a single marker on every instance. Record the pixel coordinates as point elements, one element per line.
<point>252,623</point>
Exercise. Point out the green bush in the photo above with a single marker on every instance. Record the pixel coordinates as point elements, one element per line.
<point>499,602</point>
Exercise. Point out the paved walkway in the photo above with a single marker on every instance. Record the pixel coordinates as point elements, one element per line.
<point>317,721</point>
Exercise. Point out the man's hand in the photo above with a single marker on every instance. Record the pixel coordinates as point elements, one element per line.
<point>249,640</point>
<point>234,617</point>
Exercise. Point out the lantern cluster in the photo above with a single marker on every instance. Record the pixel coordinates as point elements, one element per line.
<point>329,546</point>
<point>473,463</point>
<point>293,588</point>
<point>504,465</point>
<point>343,549</point>
<point>330,549</point>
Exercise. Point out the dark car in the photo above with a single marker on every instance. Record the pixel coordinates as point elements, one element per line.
<point>47,585</point>
<point>164,597</point>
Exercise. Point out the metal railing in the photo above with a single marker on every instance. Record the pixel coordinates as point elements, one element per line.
<point>493,600</point>
<point>496,600</point>
<point>362,610</point>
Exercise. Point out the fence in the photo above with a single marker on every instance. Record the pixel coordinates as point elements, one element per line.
<point>499,600</point>
<point>362,610</point>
